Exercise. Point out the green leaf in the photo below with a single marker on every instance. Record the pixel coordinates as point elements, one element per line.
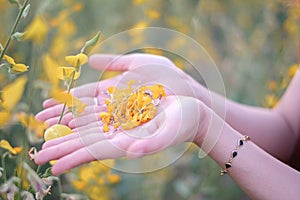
<point>91,42</point>
<point>47,173</point>
<point>14,2</point>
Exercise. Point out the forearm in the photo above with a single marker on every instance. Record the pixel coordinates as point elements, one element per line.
<point>267,128</point>
<point>259,174</point>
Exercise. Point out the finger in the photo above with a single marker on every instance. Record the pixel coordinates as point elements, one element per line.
<point>79,135</point>
<point>49,112</point>
<point>84,155</point>
<point>64,120</point>
<point>110,62</point>
<point>93,109</point>
<point>84,120</point>
<point>49,103</point>
<point>88,126</point>
<point>62,149</point>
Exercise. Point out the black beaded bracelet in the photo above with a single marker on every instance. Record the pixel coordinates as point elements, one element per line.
<point>234,153</point>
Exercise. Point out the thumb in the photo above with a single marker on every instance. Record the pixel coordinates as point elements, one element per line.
<point>110,62</point>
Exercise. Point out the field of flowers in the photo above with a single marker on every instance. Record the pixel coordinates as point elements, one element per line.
<point>44,48</point>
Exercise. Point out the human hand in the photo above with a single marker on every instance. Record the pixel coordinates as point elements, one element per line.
<point>144,68</point>
<point>177,120</point>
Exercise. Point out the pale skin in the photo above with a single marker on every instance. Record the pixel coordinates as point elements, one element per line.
<point>259,167</point>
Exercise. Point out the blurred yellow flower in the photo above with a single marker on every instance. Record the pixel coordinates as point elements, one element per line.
<point>12,93</point>
<point>77,60</point>
<point>152,14</point>
<point>141,24</point>
<point>292,70</point>
<point>67,73</point>
<point>13,150</point>
<point>93,179</point>
<point>77,7</point>
<point>138,2</point>
<point>67,28</point>
<point>56,131</point>
<point>37,30</point>
<point>32,124</point>
<point>71,101</point>
<point>4,117</point>
<point>50,67</point>
<point>270,101</point>
<point>272,85</point>
<point>15,67</point>
<point>113,178</point>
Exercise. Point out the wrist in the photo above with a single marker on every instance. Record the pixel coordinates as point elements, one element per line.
<point>203,124</point>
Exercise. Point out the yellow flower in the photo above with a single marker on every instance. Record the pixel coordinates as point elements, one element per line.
<point>132,106</point>
<point>13,150</point>
<point>272,85</point>
<point>138,2</point>
<point>32,124</point>
<point>152,14</point>
<point>141,24</point>
<point>292,70</point>
<point>56,131</point>
<point>66,73</point>
<point>50,67</point>
<point>71,101</point>
<point>4,117</point>
<point>13,92</point>
<point>77,60</point>
<point>37,30</point>
<point>113,178</point>
<point>270,100</point>
<point>15,67</point>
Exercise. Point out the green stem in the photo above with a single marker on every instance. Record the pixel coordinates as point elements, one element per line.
<point>3,166</point>
<point>68,91</point>
<point>59,188</point>
<point>14,28</point>
<point>38,169</point>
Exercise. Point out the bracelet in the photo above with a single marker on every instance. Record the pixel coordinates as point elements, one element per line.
<point>234,153</point>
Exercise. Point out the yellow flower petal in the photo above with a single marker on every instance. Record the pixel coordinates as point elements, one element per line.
<point>50,67</point>
<point>19,68</point>
<point>9,59</point>
<point>31,123</point>
<point>56,131</point>
<point>4,117</point>
<point>37,30</point>
<point>77,60</point>
<point>66,73</point>
<point>292,70</point>
<point>71,101</point>
<point>5,145</point>
<point>113,178</point>
<point>13,92</point>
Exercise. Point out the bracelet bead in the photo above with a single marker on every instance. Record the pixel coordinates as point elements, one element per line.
<point>234,153</point>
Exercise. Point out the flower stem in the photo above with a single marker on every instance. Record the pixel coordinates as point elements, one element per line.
<point>14,28</point>
<point>3,166</point>
<point>68,91</point>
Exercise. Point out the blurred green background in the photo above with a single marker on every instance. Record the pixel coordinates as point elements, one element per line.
<point>252,42</point>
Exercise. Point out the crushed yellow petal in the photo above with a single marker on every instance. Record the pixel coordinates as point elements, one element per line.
<point>131,106</point>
